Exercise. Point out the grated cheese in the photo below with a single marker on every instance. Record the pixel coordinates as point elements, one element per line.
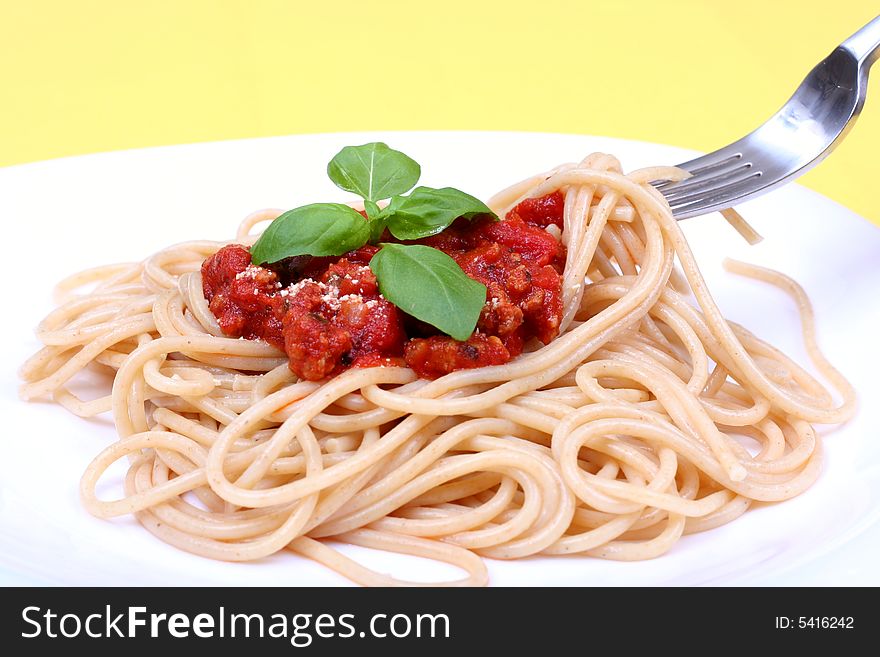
<point>250,272</point>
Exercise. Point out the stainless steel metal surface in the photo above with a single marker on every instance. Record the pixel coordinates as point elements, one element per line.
<point>799,136</point>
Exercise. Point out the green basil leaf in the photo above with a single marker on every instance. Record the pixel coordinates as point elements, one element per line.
<point>430,286</point>
<point>319,229</point>
<point>428,211</point>
<point>373,171</point>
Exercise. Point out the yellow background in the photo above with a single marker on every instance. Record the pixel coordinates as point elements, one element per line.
<point>81,76</point>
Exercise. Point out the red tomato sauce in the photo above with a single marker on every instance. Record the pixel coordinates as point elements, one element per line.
<point>327,314</point>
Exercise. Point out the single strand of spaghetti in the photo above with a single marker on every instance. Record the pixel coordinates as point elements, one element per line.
<point>603,262</point>
<point>576,206</point>
<point>136,409</point>
<point>335,444</point>
<point>158,275</point>
<point>82,408</point>
<point>121,278</point>
<point>741,226</point>
<point>354,402</point>
<point>651,330</point>
<point>212,408</point>
<point>715,381</point>
<point>262,358</point>
<point>574,232</point>
<point>254,218</point>
<point>420,547</point>
<point>781,463</point>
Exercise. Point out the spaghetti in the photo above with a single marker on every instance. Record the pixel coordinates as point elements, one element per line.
<point>635,426</point>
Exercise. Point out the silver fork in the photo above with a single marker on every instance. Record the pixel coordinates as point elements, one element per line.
<point>795,139</point>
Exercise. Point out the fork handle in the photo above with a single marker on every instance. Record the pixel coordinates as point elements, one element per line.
<point>865,44</point>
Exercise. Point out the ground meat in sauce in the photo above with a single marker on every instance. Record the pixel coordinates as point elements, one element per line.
<point>438,355</point>
<point>327,313</point>
<point>242,297</point>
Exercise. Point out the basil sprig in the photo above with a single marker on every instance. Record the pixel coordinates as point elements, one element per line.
<point>375,172</point>
<point>420,280</point>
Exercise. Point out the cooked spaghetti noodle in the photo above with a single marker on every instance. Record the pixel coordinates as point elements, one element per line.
<point>635,426</point>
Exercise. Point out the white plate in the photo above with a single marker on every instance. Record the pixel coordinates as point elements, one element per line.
<point>78,212</point>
